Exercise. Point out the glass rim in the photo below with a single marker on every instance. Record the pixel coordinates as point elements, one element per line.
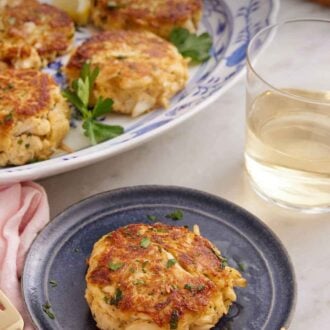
<point>272,27</point>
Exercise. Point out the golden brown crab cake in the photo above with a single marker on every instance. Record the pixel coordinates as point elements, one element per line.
<point>33,116</point>
<point>158,277</point>
<point>158,16</point>
<point>32,34</point>
<point>138,70</point>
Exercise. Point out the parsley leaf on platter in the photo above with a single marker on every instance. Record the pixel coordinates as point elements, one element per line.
<point>79,95</point>
<point>191,45</point>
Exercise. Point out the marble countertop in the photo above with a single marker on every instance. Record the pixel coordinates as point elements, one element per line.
<point>206,153</point>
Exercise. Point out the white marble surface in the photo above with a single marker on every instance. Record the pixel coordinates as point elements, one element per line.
<point>206,153</point>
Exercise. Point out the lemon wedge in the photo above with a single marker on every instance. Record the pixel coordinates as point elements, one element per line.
<point>79,10</point>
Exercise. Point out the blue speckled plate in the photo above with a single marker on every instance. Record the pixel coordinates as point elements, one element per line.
<point>60,251</point>
<point>231,23</point>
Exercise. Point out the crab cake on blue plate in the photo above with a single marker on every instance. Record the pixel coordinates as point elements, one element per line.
<point>158,277</point>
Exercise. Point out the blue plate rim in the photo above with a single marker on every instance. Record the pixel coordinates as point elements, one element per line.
<point>169,188</point>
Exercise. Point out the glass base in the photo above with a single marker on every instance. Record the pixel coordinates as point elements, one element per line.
<point>291,207</point>
<point>271,184</point>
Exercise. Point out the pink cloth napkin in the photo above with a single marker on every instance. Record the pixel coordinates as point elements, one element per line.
<point>24,211</point>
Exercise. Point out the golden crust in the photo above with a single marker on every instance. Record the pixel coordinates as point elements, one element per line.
<point>26,91</point>
<point>33,116</point>
<point>158,16</point>
<point>138,70</point>
<point>197,289</point>
<point>33,34</point>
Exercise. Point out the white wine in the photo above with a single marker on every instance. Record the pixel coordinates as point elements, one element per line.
<point>288,147</point>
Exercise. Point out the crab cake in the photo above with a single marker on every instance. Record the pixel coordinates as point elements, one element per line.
<point>138,70</point>
<point>158,277</point>
<point>33,116</point>
<point>32,34</point>
<point>158,16</point>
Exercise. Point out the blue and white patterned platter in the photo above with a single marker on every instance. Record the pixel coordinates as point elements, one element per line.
<point>232,24</point>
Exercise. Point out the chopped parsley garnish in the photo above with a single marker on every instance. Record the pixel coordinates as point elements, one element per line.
<point>188,287</point>
<point>224,262</point>
<point>161,230</point>
<point>152,217</point>
<point>241,266</point>
<point>139,282</point>
<point>176,215</point>
<point>79,95</point>
<point>8,117</point>
<point>53,283</point>
<point>174,320</point>
<point>116,298</point>
<point>144,264</point>
<point>200,288</point>
<point>170,263</point>
<point>190,45</point>
<point>115,266</point>
<point>194,289</point>
<point>47,309</point>
<point>8,87</point>
<point>107,300</point>
<point>145,242</point>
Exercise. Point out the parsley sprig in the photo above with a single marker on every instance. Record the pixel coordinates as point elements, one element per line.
<point>79,96</point>
<point>191,45</point>
<point>175,215</point>
<point>47,309</point>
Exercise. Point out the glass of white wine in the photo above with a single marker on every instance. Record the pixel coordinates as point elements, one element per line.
<point>287,154</point>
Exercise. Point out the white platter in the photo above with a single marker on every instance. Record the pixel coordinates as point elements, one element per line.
<point>232,24</point>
